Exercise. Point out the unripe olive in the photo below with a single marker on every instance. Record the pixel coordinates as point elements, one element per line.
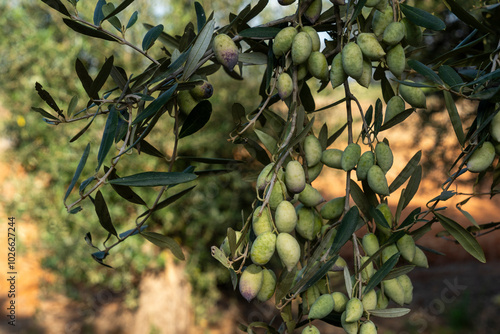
<point>314,171</point>
<point>226,52</point>
<point>413,33</point>
<point>381,19</point>
<point>368,271</point>
<point>310,196</point>
<point>366,77</point>
<point>394,33</point>
<point>332,158</point>
<point>388,252</point>
<point>225,244</point>
<point>288,250</point>
<point>285,217</point>
<point>312,150</point>
<point>316,42</point>
<point>394,291</point>
<point>369,300</point>
<point>301,48</point>
<point>305,224</point>
<point>263,248</point>
<point>368,327</point>
<point>482,158</point>
<point>352,60</point>
<point>349,327</point>
<point>353,310</point>
<point>251,281</point>
<point>284,85</point>
<point>311,329</point>
<point>406,246</point>
<point>382,300</point>
<point>268,285</point>
<point>495,127</point>
<point>420,260</point>
<point>370,244</point>
<point>283,41</point>
<point>395,106</point>
<point>396,60</point>
<point>377,181</point>
<point>337,74</point>
<point>301,71</point>
<point>365,162</point>
<point>370,46</point>
<point>313,12</point>
<point>413,95</point>
<point>333,209</point>
<point>339,301</point>
<point>286,2</point>
<point>295,177</point>
<point>262,223</point>
<point>371,3</point>
<point>350,156</point>
<point>322,286</point>
<point>277,195</point>
<point>384,156</point>
<point>311,295</point>
<point>318,66</point>
<point>202,91</point>
<point>407,286</point>
<point>321,307</point>
<point>186,101</point>
<point>265,176</point>
<point>382,5</point>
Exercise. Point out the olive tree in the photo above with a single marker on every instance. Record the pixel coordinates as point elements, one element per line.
<point>288,247</point>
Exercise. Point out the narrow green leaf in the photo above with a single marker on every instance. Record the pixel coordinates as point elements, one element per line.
<point>285,282</point>
<point>108,137</point>
<point>156,105</point>
<point>216,161</point>
<point>450,77</point>
<point>197,118</point>
<point>387,90</point>
<point>256,10</point>
<point>379,218</point>
<point>465,17</point>
<point>85,30</point>
<point>331,105</point>
<point>323,136</point>
<point>234,278</point>
<point>253,58</point>
<point>101,77</point>
<point>348,282</point>
<point>44,113</point>
<point>177,64</point>
<point>115,22</point>
<point>360,199</point>
<point>256,151</point>
<point>413,84</point>
<point>120,8</point>
<point>98,14</point>
<point>85,78</point>
<point>132,20</point>
<point>124,191</point>
<point>268,141</point>
<point>199,48</point>
<point>346,229</point>
<point>306,98</point>
<point>99,256</point>
<point>47,98</point>
<point>79,169</point>
<point>146,147</point>
<point>467,215</point>
<point>102,212</point>
<point>458,51</point>
<point>337,134</point>
<point>57,5</point>
<point>468,242</point>
<point>399,118</point>
<point>406,172</point>
<point>382,272</point>
<point>132,232</point>
<point>444,196</point>
<point>302,134</point>
<point>403,270</point>
<point>153,179</point>
<point>171,199</point>
<point>75,210</point>
<point>454,117</point>
<point>163,241</point>
<point>318,274</point>
<point>82,131</point>
<point>85,184</point>
<point>201,17</point>
<point>260,32</point>
<point>390,312</point>
<point>425,71</point>
<point>379,116</point>
<point>422,18</point>
<point>151,36</point>
<point>357,10</point>
<point>410,219</point>
<point>72,106</point>
<point>219,255</point>
<point>413,185</point>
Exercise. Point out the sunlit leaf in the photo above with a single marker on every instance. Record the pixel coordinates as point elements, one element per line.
<point>199,48</point>
<point>390,312</point>
<point>163,241</point>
